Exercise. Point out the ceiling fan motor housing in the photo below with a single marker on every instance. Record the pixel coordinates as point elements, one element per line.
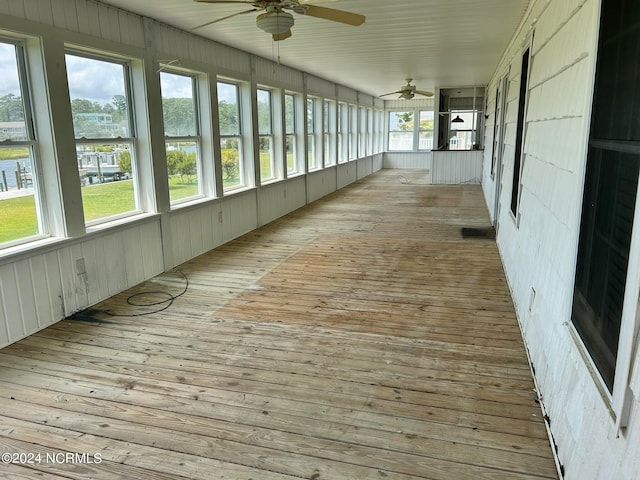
<point>275,22</point>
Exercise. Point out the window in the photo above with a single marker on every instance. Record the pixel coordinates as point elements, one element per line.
<point>401,131</point>
<point>379,131</point>
<point>99,89</point>
<point>425,130</point>
<point>362,133</point>
<point>182,136</point>
<point>517,162</point>
<point>343,128</point>
<point>608,206</point>
<point>291,136</point>
<point>19,206</point>
<point>353,132</point>
<point>312,162</point>
<point>265,135</point>
<point>328,127</point>
<point>370,131</point>
<point>230,135</point>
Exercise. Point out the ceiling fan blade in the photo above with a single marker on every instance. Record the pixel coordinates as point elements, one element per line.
<point>423,92</point>
<point>385,94</point>
<point>224,18</point>
<point>333,15</point>
<point>281,36</point>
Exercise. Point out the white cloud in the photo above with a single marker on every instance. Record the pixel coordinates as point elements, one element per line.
<point>94,80</point>
<point>9,82</point>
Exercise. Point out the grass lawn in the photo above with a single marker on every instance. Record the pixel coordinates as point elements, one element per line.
<point>107,199</point>
<point>18,218</point>
<point>13,153</point>
<point>179,190</point>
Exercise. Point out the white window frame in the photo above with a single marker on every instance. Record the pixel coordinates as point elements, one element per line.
<point>197,138</point>
<point>238,136</point>
<point>131,140</point>
<point>29,143</point>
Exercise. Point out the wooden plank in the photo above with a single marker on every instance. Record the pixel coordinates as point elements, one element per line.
<point>358,337</point>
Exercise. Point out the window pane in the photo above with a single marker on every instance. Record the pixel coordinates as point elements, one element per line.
<point>18,207</point>
<point>231,165</point>
<point>289,114</point>
<point>228,109</point>
<point>18,213</point>
<point>106,177</point>
<point>178,105</point>
<point>264,112</point>
<point>99,101</point>
<point>425,138</point>
<point>400,130</point>
<point>266,158</point>
<point>290,130</point>
<point>182,169</point>
<point>180,120</point>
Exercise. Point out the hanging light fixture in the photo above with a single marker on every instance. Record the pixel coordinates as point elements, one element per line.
<point>275,23</point>
<point>457,120</point>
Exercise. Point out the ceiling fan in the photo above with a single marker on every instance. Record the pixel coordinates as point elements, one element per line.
<point>408,91</point>
<point>276,21</point>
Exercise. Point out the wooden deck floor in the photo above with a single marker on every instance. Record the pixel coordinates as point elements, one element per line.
<point>361,337</point>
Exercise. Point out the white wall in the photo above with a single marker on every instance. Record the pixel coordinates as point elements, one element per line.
<point>43,282</point>
<point>539,253</point>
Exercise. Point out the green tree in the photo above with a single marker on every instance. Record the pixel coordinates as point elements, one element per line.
<point>11,109</point>
<point>124,162</point>
<point>230,164</point>
<point>228,114</point>
<point>405,120</point>
<point>178,116</point>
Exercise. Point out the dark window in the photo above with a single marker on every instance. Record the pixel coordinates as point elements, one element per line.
<point>611,183</point>
<point>517,162</point>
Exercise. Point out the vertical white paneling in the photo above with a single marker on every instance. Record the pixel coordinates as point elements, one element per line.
<point>4,328</point>
<point>409,160</point>
<point>67,277</point>
<point>82,14</point>
<point>11,300</point>
<point>132,254</point>
<point>365,167</point>
<point>80,282</point>
<point>54,288</point>
<point>346,174</point>
<point>4,7</point>
<point>59,16</point>
<point>31,9</point>
<point>26,298</point>
<point>455,167</point>
<point>71,14</point>
<point>115,269</point>
<point>151,243</point>
<point>321,183</point>
<point>40,291</point>
<point>92,21</point>
<point>16,9</point>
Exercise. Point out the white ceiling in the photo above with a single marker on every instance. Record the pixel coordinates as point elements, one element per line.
<point>439,43</point>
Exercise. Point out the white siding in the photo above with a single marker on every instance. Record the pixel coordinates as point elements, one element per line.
<point>539,252</point>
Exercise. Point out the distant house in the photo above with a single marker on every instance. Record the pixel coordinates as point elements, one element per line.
<point>13,130</point>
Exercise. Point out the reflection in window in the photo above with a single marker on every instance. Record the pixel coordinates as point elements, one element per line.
<point>19,212</point>
<point>230,135</point>
<point>182,139</point>
<point>101,106</point>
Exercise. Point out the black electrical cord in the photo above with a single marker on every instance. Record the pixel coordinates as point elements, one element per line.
<point>131,300</point>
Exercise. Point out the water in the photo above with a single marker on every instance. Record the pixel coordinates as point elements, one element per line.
<point>9,168</point>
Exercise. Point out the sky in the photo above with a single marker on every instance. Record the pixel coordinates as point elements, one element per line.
<point>9,82</point>
<point>97,80</point>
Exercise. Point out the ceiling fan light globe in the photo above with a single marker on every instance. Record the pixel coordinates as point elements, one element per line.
<point>275,23</point>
